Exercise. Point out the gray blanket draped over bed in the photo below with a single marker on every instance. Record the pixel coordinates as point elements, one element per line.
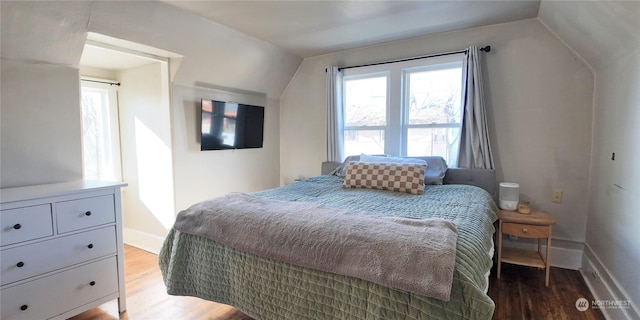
<point>415,255</point>
<point>269,289</point>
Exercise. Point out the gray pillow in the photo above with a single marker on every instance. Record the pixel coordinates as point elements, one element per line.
<point>436,168</point>
<point>341,170</point>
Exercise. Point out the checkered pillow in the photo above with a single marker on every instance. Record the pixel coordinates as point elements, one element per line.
<point>401,177</point>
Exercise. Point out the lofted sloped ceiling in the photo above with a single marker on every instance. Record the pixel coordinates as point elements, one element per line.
<point>54,33</point>
<point>599,31</point>
<point>309,28</point>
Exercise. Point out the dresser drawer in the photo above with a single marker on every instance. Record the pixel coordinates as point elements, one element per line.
<point>61,292</point>
<point>526,230</point>
<point>37,258</point>
<point>27,223</point>
<point>84,213</point>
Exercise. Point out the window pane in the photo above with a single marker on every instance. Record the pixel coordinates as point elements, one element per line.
<point>434,96</point>
<point>433,142</point>
<point>363,141</point>
<point>96,135</point>
<point>92,133</point>
<point>365,102</point>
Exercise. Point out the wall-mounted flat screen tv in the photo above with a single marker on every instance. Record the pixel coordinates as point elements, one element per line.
<point>229,125</point>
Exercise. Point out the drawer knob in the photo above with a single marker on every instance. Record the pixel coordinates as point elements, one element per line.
<point>20,264</point>
<point>92,283</point>
<point>525,230</point>
<point>90,246</point>
<point>88,213</point>
<point>24,307</point>
<point>17,226</point>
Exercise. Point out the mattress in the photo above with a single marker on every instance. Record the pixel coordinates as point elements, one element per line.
<point>268,289</point>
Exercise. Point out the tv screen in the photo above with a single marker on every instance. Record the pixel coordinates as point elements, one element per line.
<point>229,125</point>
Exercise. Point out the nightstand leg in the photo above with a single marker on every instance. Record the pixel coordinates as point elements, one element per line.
<point>539,247</point>
<point>540,251</point>
<point>499,247</point>
<point>548,261</point>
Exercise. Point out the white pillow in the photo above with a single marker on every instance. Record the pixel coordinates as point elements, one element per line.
<point>385,159</point>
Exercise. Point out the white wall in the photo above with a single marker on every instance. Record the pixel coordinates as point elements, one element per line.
<point>202,175</point>
<point>40,130</point>
<point>613,229</point>
<point>539,100</point>
<point>98,73</point>
<point>606,34</point>
<point>146,148</point>
<point>41,135</point>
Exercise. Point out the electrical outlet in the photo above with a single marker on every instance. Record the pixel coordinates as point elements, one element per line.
<point>556,196</point>
<point>595,275</point>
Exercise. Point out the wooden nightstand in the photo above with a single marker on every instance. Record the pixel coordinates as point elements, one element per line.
<point>536,225</point>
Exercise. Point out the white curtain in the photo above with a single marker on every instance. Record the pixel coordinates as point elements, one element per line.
<point>475,148</point>
<point>335,114</point>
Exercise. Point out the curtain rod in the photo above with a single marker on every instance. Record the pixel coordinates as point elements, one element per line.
<point>105,82</point>
<point>485,49</point>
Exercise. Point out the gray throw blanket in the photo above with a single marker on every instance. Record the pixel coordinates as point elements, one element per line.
<point>415,255</point>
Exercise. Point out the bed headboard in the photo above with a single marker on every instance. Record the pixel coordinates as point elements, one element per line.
<point>483,178</point>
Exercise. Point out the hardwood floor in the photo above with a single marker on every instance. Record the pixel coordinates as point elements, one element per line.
<point>519,294</point>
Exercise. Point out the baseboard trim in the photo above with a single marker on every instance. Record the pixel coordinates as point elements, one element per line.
<point>564,253</point>
<point>145,241</point>
<point>603,286</point>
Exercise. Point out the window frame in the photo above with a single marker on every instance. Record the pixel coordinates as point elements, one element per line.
<point>397,125</point>
<point>113,124</point>
<point>384,128</point>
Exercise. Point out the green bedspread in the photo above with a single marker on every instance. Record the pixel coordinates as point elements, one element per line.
<point>267,289</point>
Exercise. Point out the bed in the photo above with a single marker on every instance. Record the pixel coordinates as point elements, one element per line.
<point>264,288</point>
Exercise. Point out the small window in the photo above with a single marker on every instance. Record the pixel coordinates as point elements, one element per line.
<point>100,132</point>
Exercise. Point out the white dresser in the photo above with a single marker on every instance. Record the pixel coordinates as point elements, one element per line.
<point>61,249</point>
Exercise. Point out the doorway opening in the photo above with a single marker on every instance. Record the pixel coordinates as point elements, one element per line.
<point>126,115</point>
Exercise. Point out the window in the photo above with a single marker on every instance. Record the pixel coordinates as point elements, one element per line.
<point>100,132</point>
<point>365,116</point>
<point>410,108</point>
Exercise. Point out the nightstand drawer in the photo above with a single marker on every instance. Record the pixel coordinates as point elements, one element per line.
<point>526,230</point>
<point>26,223</point>
<point>84,213</point>
<point>55,294</point>
<point>38,258</point>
